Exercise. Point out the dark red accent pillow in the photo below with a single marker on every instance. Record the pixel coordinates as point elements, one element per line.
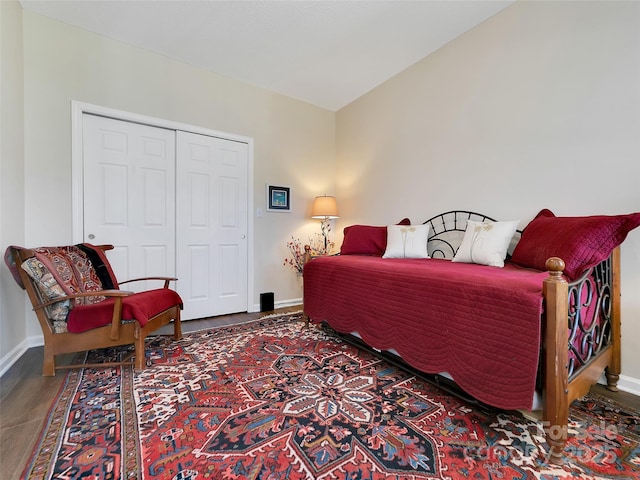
<point>582,242</point>
<point>366,239</point>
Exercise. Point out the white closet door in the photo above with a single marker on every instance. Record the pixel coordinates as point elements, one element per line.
<point>129,196</point>
<point>212,187</point>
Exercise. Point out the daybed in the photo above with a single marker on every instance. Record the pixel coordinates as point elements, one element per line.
<point>547,321</point>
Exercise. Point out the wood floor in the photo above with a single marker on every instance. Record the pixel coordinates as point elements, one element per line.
<point>25,397</point>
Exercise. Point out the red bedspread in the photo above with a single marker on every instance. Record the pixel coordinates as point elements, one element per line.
<point>480,324</point>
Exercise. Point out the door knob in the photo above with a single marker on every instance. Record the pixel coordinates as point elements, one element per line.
<point>91,236</point>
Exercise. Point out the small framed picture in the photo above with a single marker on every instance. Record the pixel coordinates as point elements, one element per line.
<point>278,199</point>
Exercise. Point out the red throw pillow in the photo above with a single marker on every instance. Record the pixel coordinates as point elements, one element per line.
<point>582,242</point>
<point>366,239</point>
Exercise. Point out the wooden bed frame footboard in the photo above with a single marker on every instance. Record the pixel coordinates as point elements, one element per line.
<point>561,383</point>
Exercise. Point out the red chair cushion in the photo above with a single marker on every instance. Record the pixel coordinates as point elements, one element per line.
<point>140,307</point>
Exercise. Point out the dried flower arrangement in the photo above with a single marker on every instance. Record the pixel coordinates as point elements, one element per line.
<point>295,260</point>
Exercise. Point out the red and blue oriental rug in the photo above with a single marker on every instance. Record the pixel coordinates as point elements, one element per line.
<point>275,399</point>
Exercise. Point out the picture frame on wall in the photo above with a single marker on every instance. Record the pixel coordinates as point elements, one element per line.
<point>278,198</point>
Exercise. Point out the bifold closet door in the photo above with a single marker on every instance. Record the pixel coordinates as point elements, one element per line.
<point>129,196</point>
<point>211,224</point>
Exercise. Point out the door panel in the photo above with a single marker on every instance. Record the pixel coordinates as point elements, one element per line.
<point>172,203</point>
<point>212,224</point>
<point>129,196</point>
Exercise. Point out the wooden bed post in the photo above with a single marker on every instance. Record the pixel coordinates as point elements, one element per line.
<point>615,364</point>
<point>556,359</point>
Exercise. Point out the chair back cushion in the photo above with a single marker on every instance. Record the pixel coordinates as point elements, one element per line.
<point>48,289</point>
<point>101,265</point>
<point>74,270</point>
<point>60,271</point>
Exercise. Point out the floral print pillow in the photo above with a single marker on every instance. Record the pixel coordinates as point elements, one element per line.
<point>48,289</point>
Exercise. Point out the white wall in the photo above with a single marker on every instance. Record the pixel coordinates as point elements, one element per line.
<point>12,300</point>
<point>537,107</point>
<point>293,141</point>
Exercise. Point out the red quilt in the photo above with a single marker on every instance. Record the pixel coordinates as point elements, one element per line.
<point>480,324</point>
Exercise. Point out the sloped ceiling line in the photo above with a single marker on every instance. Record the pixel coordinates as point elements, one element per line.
<point>327,53</point>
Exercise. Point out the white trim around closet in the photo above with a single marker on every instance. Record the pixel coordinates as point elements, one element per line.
<point>78,109</point>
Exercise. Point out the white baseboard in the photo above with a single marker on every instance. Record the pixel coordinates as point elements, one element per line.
<point>12,357</point>
<point>281,304</point>
<point>625,383</point>
<point>629,384</point>
<point>35,341</point>
<point>289,303</point>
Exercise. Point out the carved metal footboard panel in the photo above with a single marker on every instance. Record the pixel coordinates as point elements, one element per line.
<point>590,305</point>
<point>590,299</point>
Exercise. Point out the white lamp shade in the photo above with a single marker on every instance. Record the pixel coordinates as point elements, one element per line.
<point>325,207</point>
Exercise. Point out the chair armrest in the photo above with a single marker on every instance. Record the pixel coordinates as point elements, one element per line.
<point>116,318</point>
<point>99,293</point>
<point>142,279</point>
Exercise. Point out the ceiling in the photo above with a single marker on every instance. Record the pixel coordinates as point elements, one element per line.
<point>327,53</point>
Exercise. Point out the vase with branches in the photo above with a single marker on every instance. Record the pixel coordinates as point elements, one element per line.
<point>318,245</point>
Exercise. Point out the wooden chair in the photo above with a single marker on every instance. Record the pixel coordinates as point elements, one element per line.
<point>85,310</point>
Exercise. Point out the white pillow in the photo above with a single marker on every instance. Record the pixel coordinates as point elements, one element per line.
<point>486,243</point>
<point>407,241</point>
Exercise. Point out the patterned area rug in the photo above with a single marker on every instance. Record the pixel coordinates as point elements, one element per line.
<point>275,399</point>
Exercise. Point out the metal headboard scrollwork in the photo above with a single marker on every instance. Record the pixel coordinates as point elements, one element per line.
<point>590,305</point>
<point>447,230</point>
